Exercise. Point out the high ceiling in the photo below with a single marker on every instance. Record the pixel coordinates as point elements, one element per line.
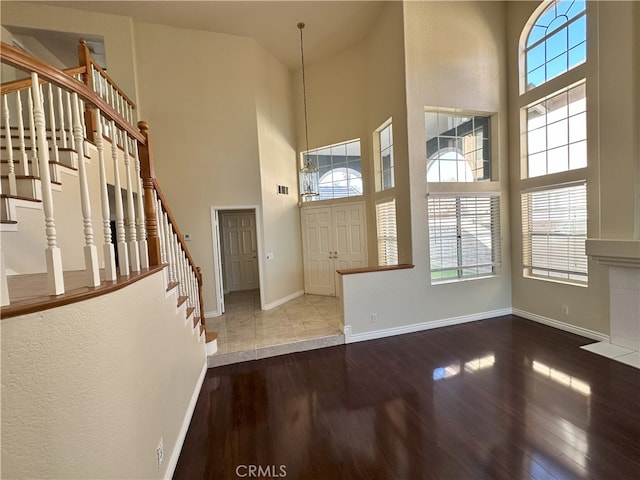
<point>331,25</point>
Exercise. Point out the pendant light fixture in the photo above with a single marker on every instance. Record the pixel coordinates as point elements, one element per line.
<point>309,174</point>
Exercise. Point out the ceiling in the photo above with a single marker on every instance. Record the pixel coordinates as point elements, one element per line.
<point>330,25</point>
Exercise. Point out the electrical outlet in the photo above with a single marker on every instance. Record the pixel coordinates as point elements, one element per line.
<point>565,310</point>
<point>374,317</point>
<point>160,452</point>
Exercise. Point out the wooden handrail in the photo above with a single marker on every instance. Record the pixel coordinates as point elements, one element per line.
<point>112,83</point>
<point>65,80</point>
<point>28,63</point>
<point>150,184</point>
<point>17,85</point>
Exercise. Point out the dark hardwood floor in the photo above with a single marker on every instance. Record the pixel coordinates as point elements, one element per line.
<point>504,398</point>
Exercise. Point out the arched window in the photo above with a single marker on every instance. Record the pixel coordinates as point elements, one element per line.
<point>554,142</point>
<point>340,170</point>
<point>556,41</point>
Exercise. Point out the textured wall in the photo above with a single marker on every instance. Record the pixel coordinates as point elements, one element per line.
<point>89,389</point>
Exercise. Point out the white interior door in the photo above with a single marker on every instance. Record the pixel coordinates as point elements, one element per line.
<point>334,238</point>
<point>349,234</point>
<point>240,251</point>
<point>317,241</point>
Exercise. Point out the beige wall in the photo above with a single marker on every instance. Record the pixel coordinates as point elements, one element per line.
<point>613,172</point>
<point>386,98</point>
<point>116,30</point>
<point>467,72</point>
<point>282,274</point>
<point>89,389</point>
<point>351,94</point>
<point>222,129</point>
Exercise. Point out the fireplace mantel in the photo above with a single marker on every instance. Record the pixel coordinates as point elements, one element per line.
<point>620,253</point>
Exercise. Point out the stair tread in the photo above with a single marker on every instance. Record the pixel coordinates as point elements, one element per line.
<point>19,197</point>
<point>51,162</point>
<point>30,177</point>
<point>211,336</point>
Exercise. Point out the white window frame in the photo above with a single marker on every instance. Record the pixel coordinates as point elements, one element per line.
<point>465,262</point>
<point>554,231</point>
<point>340,167</point>
<point>387,232</point>
<point>379,152</point>
<point>555,178</point>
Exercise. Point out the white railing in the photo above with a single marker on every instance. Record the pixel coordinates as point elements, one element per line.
<point>69,119</point>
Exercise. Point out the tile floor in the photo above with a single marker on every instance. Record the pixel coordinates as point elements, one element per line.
<point>615,352</point>
<point>246,333</point>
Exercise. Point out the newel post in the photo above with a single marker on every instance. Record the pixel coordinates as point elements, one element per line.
<point>148,176</point>
<point>84,60</point>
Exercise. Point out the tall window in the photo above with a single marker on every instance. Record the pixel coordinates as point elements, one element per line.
<point>554,143</point>
<point>339,169</point>
<point>464,236</point>
<point>383,146</point>
<point>557,41</point>
<point>457,147</point>
<point>387,232</point>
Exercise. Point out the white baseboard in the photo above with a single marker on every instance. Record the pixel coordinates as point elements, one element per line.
<point>418,327</point>
<point>175,455</point>
<point>212,314</point>
<point>288,298</point>
<point>567,327</point>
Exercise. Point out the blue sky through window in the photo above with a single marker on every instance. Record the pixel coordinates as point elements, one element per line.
<point>556,42</point>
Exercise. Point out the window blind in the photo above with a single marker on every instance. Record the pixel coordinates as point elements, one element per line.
<point>554,224</point>
<point>464,235</point>
<point>387,233</point>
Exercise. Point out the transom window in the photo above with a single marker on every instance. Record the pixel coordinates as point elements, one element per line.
<point>458,147</point>
<point>339,168</point>
<point>557,41</point>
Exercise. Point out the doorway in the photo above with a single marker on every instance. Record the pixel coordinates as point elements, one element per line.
<point>236,251</point>
<point>333,238</point>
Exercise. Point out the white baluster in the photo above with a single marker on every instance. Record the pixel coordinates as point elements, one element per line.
<point>52,252</point>
<point>4,289</point>
<point>83,124</point>
<point>134,253</point>
<point>194,291</point>
<point>142,231</point>
<point>173,274</point>
<point>35,166</point>
<point>13,190</point>
<point>160,221</point>
<point>90,250</point>
<point>72,140</point>
<point>123,254</point>
<point>52,124</point>
<point>109,253</point>
<point>179,265</point>
<point>63,134</point>
<point>23,160</point>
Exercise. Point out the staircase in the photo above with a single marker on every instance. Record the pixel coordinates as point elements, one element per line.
<point>74,161</point>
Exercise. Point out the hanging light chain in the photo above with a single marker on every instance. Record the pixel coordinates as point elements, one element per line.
<point>304,91</point>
